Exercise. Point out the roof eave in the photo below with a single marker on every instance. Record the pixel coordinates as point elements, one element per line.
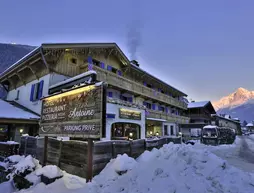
<point>138,68</point>
<point>18,63</point>
<point>80,45</point>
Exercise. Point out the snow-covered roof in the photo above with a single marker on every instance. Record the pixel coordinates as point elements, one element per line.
<point>73,78</point>
<point>154,119</point>
<point>249,125</point>
<point>209,127</point>
<point>9,111</point>
<point>197,104</point>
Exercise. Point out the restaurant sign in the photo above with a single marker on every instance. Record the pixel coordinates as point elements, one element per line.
<point>129,114</point>
<point>75,113</point>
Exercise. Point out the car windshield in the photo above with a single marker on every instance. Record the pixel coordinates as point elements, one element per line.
<point>209,132</point>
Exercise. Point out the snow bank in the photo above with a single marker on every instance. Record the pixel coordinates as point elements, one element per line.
<point>7,187</point>
<point>173,168</point>
<point>49,171</point>
<point>27,163</point>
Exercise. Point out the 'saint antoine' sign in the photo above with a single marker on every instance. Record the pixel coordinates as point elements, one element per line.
<point>76,113</point>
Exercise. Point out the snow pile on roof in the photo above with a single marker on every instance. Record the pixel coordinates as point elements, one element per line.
<point>197,104</point>
<point>9,142</point>
<point>13,112</point>
<point>210,127</point>
<point>73,78</point>
<point>249,125</point>
<point>173,168</point>
<point>49,171</point>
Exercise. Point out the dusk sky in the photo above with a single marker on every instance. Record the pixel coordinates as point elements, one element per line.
<point>203,48</point>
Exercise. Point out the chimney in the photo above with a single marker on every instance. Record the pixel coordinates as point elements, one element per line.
<point>135,62</point>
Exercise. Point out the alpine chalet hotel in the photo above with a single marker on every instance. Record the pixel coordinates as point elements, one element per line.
<point>159,106</point>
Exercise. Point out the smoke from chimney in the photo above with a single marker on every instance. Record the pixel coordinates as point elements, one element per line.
<point>134,30</point>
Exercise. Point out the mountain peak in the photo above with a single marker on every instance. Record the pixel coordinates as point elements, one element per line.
<point>239,97</point>
<point>242,90</point>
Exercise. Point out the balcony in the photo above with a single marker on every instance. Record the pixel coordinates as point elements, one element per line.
<point>168,117</point>
<point>200,116</point>
<point>135,88</point>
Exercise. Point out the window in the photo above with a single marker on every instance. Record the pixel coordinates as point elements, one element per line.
<point>125,131</point>
<point>153,106</point>
<point>17,97</point>
<point>124,98</point>
<point>171,130</point>
<point>148,105</point>
<point>162,109</point>
<point>114,70</point>
<point>36,91</point>
<point>96,62</point>
<point>149,85</point>
<point>73,60</point>
<point>130,99</point>
<point>165,130</point>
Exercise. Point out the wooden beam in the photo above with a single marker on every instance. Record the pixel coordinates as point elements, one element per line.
<point>44,60</point>
<point>21,78</point>
<point>4,87</point>
<point>19,121</point>
<point>34,73</point>
<point>32,62</point>
<point>9,79</point>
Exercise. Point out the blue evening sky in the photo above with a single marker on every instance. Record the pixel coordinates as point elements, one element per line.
<point>202,47</point>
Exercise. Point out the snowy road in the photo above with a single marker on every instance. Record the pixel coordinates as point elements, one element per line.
<point>240,156</point>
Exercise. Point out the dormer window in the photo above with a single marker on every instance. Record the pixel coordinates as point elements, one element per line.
<point>74,61</point>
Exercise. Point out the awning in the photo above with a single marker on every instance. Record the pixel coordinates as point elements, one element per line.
<point>154,119</point>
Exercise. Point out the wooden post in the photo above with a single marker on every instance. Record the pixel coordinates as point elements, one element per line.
<point>89,172</point>
<point>61,145</point>
<point>25,145</point>
<point>45,150</point>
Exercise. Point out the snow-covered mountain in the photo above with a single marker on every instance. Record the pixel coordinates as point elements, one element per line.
<point>239,104</point>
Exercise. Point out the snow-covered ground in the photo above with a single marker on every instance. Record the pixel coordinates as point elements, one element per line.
<point>173,168</point>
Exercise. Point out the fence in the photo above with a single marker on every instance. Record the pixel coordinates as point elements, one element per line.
<point>71,156</point>
<point>8,149</point>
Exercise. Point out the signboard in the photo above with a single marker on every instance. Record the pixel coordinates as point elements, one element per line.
<point>75,113</point>
<point>129,114</point>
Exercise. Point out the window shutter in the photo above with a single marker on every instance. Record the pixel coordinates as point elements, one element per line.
<point>102,65</point>
<point>166,109</point>
<point>130,99</point>
<point>40,89</point>
<point>119,73</point>
<point>109,68</point>
<point>110,94</point>
<point>153,106</point>
<point>144,103</point>
<point>32,93</point>
<point>90,60</point>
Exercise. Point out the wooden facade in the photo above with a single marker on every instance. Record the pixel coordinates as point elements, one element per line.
<point>71,60</point>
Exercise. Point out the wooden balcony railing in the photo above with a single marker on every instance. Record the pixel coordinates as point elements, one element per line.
<point>136,88</point>
<point>200,116</point>
<point>168,117</point>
